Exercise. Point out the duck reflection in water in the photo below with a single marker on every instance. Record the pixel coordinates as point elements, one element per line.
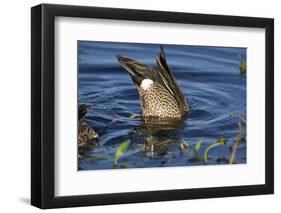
<point>159,139</point>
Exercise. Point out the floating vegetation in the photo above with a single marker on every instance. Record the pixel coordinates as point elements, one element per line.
<point>183,145</point>
<point>121,149</point>
<point>243,66</point>
<point>133,116</point>
<point>198,145</point>
<point>193,152</point>
<point>113,122</point>
<point>221,141</point>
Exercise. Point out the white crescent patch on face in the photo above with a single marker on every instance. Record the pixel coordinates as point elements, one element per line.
<point>146,83</point>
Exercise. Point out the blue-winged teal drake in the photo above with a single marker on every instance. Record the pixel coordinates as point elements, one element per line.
<point>160,95</point>
<point>85,132</point>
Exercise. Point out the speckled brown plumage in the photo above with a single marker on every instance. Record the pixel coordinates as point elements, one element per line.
<point>156,102</point>
<point>160,95</point>
<point>85,132</point>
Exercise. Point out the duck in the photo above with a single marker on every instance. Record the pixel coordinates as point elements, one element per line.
<point>161,98</point>
<point>85,132</point>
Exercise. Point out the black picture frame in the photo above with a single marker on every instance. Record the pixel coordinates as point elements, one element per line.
<point>43,102</point>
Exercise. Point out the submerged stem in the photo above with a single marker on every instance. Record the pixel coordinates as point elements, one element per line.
<point>221,141</point>
<point>207,150</point>
<point>236,144</point>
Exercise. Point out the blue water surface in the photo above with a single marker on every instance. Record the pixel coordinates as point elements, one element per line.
<point>210,79</point>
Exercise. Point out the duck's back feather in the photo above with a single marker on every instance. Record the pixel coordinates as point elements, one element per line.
<point>168,81</point>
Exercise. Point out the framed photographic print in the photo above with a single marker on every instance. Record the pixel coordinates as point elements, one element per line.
<point>140,106</point>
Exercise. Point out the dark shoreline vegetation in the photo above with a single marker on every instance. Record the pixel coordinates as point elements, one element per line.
<point>112,133</point>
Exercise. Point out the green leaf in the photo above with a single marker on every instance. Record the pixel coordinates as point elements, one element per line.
<point>198,145</point>
<point>243,69</point>
<point>121,149</point>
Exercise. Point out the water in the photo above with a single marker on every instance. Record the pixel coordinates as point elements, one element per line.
<point>210,79</point>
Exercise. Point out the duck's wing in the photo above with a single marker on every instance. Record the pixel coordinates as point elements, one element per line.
<point>137,70</point>
<point>82,111</point>
<point>166,78</point>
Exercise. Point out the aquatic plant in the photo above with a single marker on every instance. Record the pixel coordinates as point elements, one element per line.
<point>121,149</point>
<point>236,144</point>
<point>221,141</point>
<point>240,136</point>
<point>243,66</point>
<point>193,152</point>
<point>198,145</point>
<point>232,114</point>
<point>183,145</point>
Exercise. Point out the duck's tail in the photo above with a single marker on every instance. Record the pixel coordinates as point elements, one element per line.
<point>166,78</point>
<point>138,71</point>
